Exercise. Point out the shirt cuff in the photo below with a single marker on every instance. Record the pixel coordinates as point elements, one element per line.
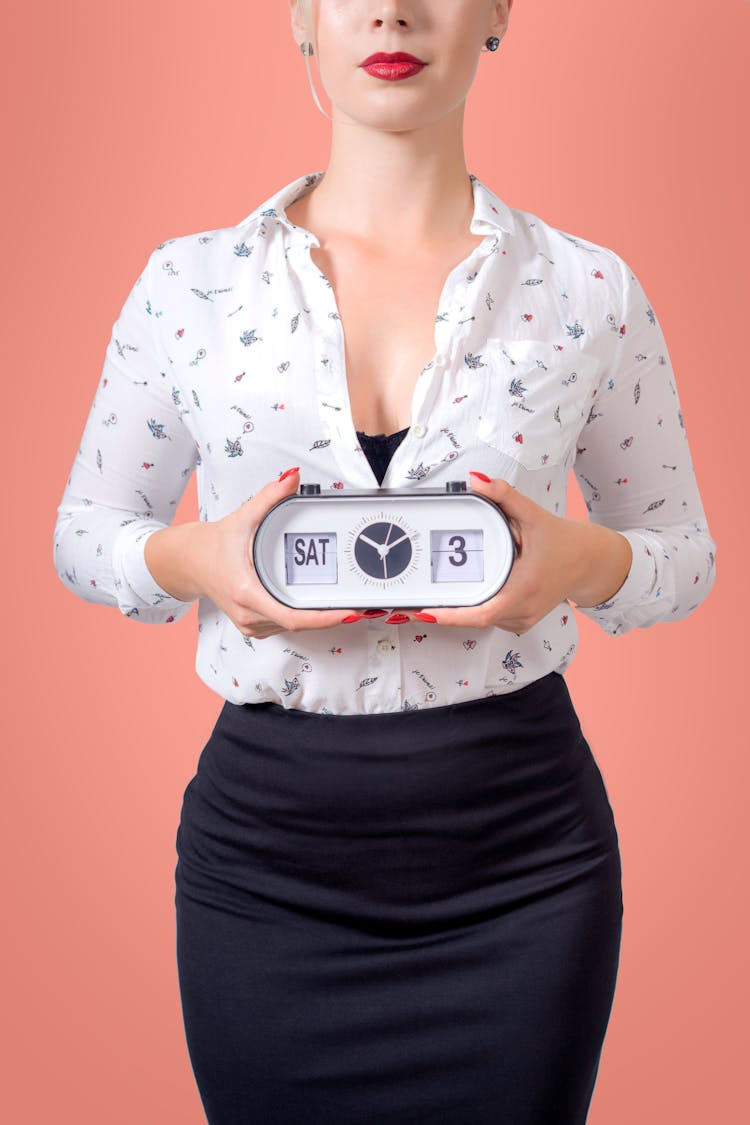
<point>138,592</point>
<point>639,585</point>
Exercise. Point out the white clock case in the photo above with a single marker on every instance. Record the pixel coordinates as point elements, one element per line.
<point>418,511</point>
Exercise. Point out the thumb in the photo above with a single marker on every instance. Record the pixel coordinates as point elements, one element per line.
<point>512,502</point>
<point>271,493</point>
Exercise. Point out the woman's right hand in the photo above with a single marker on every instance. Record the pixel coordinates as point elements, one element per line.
<point>214,559</point>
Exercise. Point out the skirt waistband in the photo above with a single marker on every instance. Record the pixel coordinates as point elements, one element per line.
<point>546,687</point>
<point>530,721</point>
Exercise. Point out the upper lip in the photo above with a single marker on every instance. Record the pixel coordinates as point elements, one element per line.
<point>397,56</point>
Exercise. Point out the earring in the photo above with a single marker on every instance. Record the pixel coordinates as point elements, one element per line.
<point>306,48</point>
<point>492,43</point>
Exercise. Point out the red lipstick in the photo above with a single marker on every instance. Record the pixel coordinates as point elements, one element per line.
<point>392,67</point>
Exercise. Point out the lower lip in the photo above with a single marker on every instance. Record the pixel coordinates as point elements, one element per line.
<point>393,72</point>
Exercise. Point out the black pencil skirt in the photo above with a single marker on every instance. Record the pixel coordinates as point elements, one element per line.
<point>411,918</point>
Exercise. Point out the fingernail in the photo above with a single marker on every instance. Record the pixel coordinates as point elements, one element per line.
<point>397,619</point>
<point>375,613</point>
<point>481,476</point>
<point>426,617</point>
<point>352,617</point>
<point>289,472</point>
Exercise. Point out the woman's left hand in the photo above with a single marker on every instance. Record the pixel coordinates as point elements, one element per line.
<point>556,558</point>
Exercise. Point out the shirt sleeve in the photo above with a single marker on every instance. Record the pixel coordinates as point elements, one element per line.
<point>635,472</point>
<point>132,466</point>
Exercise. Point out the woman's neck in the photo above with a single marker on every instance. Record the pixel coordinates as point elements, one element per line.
<point>382,189</point>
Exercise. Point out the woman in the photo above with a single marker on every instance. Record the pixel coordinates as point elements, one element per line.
<point>398,886</point>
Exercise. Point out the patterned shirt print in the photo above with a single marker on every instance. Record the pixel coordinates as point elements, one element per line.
<point>227,359</point>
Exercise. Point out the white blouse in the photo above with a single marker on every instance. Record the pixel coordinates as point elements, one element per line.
<point>227,358</point>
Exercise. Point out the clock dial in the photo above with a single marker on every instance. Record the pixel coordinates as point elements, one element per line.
<point>383,550</point>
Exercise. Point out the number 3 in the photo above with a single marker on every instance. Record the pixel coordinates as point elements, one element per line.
<point>458,543</point>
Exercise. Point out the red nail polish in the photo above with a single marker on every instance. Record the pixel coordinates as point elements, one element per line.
<point>397,619</point>
<point>481,477</point>
<point>289,472</point>
<point>352,617</point>
<point>375,613</point>
<point>426,617</point>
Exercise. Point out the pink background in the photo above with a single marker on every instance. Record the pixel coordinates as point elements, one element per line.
<point>130,124</point>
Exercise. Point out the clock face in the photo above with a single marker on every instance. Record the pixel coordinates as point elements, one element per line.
<point>383,549</point>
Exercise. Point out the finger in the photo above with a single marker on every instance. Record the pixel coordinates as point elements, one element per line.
<point>271,493</point>
<point>253,511</point>
<point>259,628</point>
<point>470,617</point>
<point>514,504</point>
<point>319,618</point>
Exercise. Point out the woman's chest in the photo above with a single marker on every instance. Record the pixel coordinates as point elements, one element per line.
<point>388,307</point>
<point>281,358</point>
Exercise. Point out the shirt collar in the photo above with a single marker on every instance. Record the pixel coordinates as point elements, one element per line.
<point>491,214</point>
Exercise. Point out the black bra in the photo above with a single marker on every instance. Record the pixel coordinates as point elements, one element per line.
<point>379,449</point>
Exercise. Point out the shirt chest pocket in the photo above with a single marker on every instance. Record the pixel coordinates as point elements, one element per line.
<point>534,399</point>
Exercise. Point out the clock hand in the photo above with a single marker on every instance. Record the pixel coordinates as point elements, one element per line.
<point>385,564</point>
<point>371,543</point>
<point>387,546</point>
<point>396,542</point>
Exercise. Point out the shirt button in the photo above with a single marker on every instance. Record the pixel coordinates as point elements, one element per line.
<point>419,431</point>
<point>384,645</point>
<point>440,359</point>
